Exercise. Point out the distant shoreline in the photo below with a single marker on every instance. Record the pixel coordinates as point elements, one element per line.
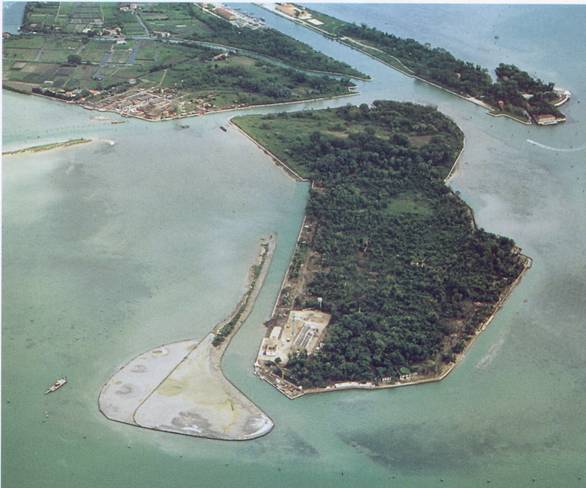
<point>47,147</point>
<point>362,48</point>
<point>183,116</point>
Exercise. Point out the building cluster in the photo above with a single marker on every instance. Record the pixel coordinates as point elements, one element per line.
<point>162,34</point>
<point>59,93</point>
<point>128,7</point>
<point>297,12</point>
<point>235,17</point>
<point>547,119</point>
<point>153,103</point>
<point>302,332</point>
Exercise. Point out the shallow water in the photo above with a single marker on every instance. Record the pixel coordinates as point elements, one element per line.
<point>110,250</point>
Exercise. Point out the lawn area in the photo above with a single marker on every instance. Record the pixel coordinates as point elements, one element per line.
<point>174,18</point>
<point>26,41</point>
<point>189,70</point>
<point>329,24</point>
<point>409,204</point>
<point>285,132</point>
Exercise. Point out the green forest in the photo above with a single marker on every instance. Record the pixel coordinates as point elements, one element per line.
<point>268,42</point>
<point>400,264</point>
<point>513,91</point>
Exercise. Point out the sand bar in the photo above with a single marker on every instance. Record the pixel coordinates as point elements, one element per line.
<point>196,399</point>
<point>125,392</point>
<point>47,147</point>
<point>180,387</point>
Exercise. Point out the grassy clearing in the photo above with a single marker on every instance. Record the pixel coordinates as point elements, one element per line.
<point>413,204</point>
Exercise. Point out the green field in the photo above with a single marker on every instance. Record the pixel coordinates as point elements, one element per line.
<point>174,18</point>
<point>190,69</point>
<point>181,20</point>
<point>76,47</point>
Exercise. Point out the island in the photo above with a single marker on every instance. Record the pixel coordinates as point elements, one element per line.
<point>180,388</point>
<point>391,279</point>
<point>47,147</point>
<point>158,61</point>
<point>514,93</point>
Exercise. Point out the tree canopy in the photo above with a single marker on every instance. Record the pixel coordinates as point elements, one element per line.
<point>397,258</point>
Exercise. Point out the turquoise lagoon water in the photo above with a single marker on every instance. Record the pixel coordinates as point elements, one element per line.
<point>112,249</point>
<point>13,13</point>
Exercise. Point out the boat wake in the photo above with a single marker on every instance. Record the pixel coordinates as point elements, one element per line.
<point>489,357</point>
<point>101,118</point>
<point>556,149</point>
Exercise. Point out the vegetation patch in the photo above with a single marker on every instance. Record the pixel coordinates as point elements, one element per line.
<point>163,60</point>
<point>387,248</point>
<point>409,204</point>
<point>514,92</point>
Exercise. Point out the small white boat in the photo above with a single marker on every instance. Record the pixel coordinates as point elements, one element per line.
<point>55,386</point>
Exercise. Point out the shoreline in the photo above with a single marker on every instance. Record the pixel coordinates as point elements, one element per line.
<point>253,286</point>
<point>47,147</point>
<point>456,164</point>
<point>188,115</point>
<point>278,162</point>
<point>428,379</point>
<point>362,48</point>
<point>209,112</point>
<point>292,391</point>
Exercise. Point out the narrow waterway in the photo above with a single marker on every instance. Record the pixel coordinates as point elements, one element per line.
<point>145,237</point>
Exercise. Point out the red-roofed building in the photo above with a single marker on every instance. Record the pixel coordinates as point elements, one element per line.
<point>225,13</point>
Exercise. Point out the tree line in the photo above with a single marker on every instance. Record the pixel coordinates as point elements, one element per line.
<point>513,91</point>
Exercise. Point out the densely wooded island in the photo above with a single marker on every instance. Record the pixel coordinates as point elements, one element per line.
<point>514,93</point>
<point>391,278</point>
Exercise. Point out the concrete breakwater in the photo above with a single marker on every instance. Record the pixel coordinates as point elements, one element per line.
<point>180,387</point>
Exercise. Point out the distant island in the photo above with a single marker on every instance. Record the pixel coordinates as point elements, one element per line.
<point>514,93</point>
<point>47,147</point>
<point>159,61</point>
<point>391,278</point>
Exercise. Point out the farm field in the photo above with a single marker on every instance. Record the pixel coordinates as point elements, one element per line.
<point>161,60</point>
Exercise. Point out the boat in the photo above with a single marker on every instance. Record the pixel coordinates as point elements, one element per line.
<point>223,128</point>
<point>55,386</point>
